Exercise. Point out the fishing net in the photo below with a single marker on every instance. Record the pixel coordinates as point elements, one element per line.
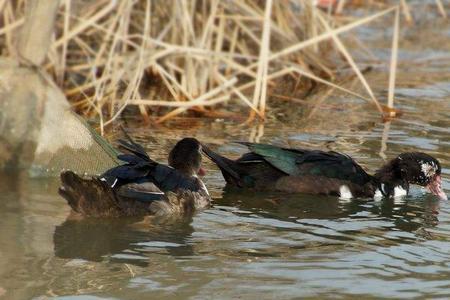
<point>39,132</point>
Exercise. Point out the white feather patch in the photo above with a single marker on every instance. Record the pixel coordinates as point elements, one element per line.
<point>399,191</point>
<point>114,183</point>
<point>345,192</point>
<point>204,187</point>
<point>428,169</point>
<point>378,195</point>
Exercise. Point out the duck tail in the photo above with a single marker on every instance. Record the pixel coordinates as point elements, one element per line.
<point>88,197</point>
<point>226,165</point>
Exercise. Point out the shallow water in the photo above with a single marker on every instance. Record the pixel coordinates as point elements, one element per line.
<point>250,245</point>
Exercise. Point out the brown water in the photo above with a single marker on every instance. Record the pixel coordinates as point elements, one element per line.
<point>259,246</point>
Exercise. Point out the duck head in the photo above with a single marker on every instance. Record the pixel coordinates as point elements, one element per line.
<point>186,157</point>
<point>413,168</point>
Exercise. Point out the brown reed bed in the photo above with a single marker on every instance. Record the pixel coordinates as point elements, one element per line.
<point>167,57</point>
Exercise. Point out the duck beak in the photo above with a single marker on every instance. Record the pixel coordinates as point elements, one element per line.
<point>435,187</point>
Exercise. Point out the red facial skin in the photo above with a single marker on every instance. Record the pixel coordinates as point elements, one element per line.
<point>435,187</point>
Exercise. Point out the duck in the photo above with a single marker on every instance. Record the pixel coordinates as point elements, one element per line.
<point>269,167</point>
<point>141,186</point>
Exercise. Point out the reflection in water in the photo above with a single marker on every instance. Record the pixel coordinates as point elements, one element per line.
<point>29,209</point>
<point>384,138</point>
<point>408,215</point>
<point>124,240</point>
<point>286,207</point>
<point>256,133</point>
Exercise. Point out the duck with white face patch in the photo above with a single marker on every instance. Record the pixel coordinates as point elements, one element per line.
<point>410,168</point>
<point>269,167</point>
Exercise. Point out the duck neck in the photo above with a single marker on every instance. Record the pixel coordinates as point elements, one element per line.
<point>187,171</point>
<point>390,179</point>
<point>182,167</point>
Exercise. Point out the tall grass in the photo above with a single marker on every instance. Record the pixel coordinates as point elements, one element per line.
<point>169,56</point>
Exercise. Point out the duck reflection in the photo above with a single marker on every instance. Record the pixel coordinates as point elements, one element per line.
<point>410,214</point>
<point>122,240</point>
<point>289,207</point>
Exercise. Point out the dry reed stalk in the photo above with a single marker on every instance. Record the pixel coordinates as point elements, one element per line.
<point>215,101</point>
<point>441,8</point>
<point>340,6</point>
<point>61,69</point>
<point>87,23</point>
<point>406,11</point>
<point>393,64</point>
<point>313,20</point>
<point>147,28</point>
<point>111,54</point>
<point>260,92</point>
<point>326,82</point>
<point>242,97</point>
<point>352,63</point>
<point>327,35</point>
<point>2,4</point>
<point>200,100</point>
<point>10,27</point>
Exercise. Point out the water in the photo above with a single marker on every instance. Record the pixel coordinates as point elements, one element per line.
<point>250,245</point>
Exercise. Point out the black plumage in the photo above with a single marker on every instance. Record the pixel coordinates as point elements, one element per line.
<point>268,167</point>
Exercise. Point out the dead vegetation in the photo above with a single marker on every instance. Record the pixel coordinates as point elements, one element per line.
<point>167,57</point>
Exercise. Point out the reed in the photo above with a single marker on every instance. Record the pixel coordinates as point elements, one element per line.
<point>393,64</point>
<point>167,57</point>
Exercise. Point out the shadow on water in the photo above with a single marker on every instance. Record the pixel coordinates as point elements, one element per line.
<point>122,240</point>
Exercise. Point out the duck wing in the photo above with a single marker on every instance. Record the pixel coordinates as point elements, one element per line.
<point>301,162</point>
<point>141,171</point>
<point>144,192</point>
<point>282,159</point>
